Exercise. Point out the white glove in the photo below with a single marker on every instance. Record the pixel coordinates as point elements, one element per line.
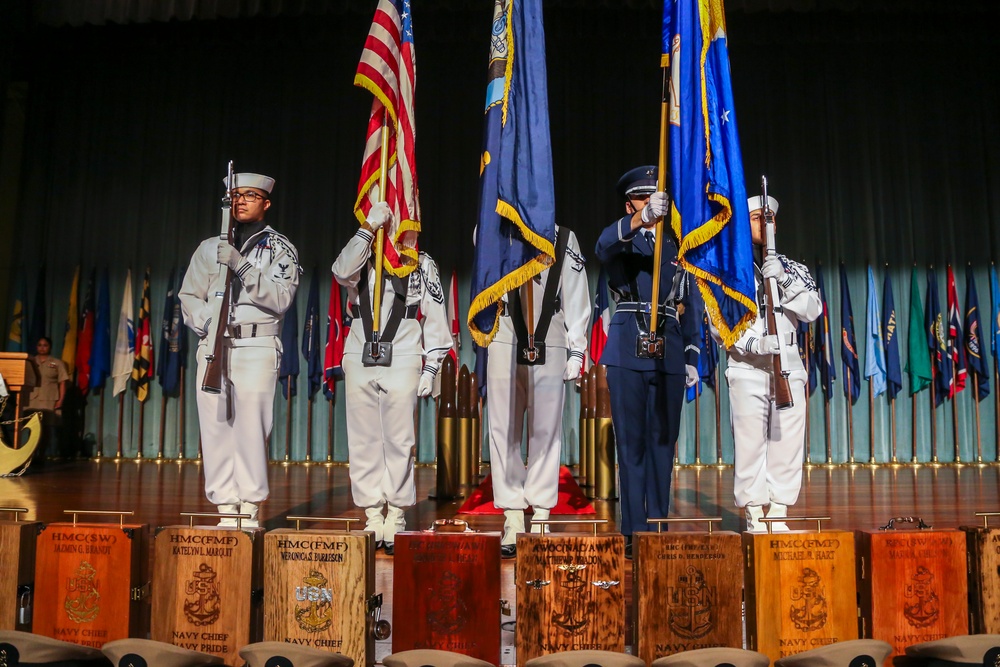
<point>766,345</point>
<point>773,268</point>
<point>692,375</point>
<point>228,255</point>
<point>573,367</point>
<point>657,206</point>
<point>380,214</point>
<point>426,385</point>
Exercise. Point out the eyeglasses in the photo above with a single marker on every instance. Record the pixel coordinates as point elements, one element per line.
<point>250,196</point>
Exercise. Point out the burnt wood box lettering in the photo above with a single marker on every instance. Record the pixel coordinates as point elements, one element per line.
<point>688,592</point>
<point>801,592</point>
<point>570,593</point>
<point>317,586</point>
<point>912,586</point>
<point>983,546</point>
<point>17,572</point>
<point>91,582</point>
<point>446,593</point>
<point>207,589</point>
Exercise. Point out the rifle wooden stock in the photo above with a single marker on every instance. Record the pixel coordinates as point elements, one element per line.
<point>212,381</point>
<point>782,391</point>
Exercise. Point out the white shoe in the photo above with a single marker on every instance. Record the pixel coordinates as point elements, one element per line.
<point>228,508</point>
<point>375,523</point>
<point>754,514</point>
<point>395,522</point>
<point>513,524</point>
<point>540,515</point>
<point>252,509</point>
<point>778,511</point>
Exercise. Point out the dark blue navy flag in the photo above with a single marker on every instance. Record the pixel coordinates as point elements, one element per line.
<point>824,351</point>
<point>482,357</point>
<point>936,341</point>
<point>288,371</point>
<point>310,338</point>
<point>516,230</point>
<point>848,342</point>
<point>994,318</point>
<point>100,345</point>
<point>807,353</point>
<point>974,350</point>
<point>893,372</point>
<point>173,336</point>
<point>707,360</point>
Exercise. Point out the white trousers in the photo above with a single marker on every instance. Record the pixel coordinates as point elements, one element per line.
<point>380,429</point>
<point>513,392</point>
<point>235,425</point>
<point>769,442</point>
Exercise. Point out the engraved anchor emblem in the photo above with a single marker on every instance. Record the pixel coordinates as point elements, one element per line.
<point>83,599</point>
<point>925,609</point>
<point>691,605</point>
<point>812,613</point>
<point>204,607</point>
<point>316,616</point>
<point>448,613</point>
<point>577,608</point>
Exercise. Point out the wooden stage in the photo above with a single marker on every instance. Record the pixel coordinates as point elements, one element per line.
<point>853,497</point>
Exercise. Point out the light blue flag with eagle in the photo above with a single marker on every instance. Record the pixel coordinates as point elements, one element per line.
<point>710,215</point>
<point>874,345</point>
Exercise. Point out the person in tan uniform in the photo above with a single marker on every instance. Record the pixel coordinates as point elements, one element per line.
<point>48,392</point>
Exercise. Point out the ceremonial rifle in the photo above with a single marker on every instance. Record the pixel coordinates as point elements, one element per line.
<point>219,295</point>
<point>782,391</point>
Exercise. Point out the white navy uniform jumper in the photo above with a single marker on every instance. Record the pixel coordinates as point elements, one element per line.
<point>381,399</point>
<point>769,442</point>
<point>538,391</point>
<point>236,423</point>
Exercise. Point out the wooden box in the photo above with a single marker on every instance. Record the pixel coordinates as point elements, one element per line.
<point>207,589</point>
<point>983,545</point>
<point>91,582</point>
<point>446,593</point>
<point>570,593</point>
<point>687,592</point>
<point>912,586</point>
<point>800,590</point>
<point>318,585</point>
<point>17,573</point>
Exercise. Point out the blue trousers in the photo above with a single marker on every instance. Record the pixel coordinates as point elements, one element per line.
<point>646,413</point>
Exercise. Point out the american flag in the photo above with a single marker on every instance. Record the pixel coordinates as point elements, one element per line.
<point>956,348</point>
<point>388,71</point>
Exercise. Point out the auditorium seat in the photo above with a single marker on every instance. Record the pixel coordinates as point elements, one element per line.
<point>24,649</point>
<point>714,657</point>
<point>961,650</point>
<point>850,653</point>
<point>148,653</point>
<point>283,654</point>
<point>586,659</point>
<point>431,658</point>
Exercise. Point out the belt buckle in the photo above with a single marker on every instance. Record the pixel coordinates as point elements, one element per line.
<point>234,332</point>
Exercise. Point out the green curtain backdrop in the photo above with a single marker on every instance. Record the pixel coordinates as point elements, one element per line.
<point>877,129</point>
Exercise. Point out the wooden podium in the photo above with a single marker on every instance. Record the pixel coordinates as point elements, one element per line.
<point>320,589</point>
<point>687,591</point>
<point>16,373</point>
<point>800,589</point>
<point>17,570</point>
<point>913,584</point>
<point>446,591</point>
<point>983,544</point>
<point>570,592</point>
<point>91,581</point>
<point>207,588</point>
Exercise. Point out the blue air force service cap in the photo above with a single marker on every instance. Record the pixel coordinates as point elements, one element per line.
<point>638,181</point>
<point>249,180</point>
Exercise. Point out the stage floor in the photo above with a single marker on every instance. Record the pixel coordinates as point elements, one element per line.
<point>852,498</point>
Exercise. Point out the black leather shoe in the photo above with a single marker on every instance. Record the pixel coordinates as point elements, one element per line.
<point>508,551</point>
<point>389,548</point>
<point>378,545</point>
<point>628,547</point>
